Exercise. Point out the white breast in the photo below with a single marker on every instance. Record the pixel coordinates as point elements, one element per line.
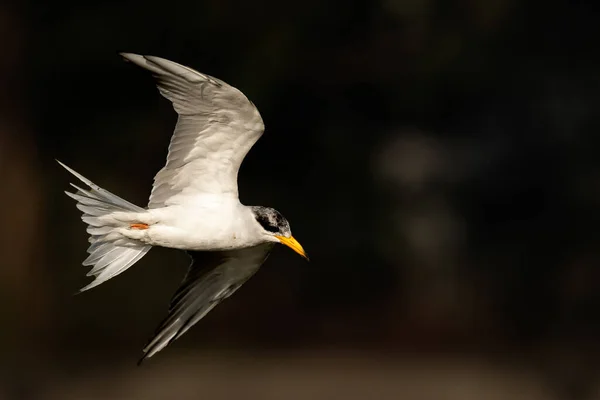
<point>210,223</point>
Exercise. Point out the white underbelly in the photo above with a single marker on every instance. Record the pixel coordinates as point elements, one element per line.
<point>201,228</point>
<point>166,236</point>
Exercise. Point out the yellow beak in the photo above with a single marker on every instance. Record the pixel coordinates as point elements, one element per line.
<point>292,244</point>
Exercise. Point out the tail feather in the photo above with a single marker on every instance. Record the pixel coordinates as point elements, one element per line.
<point>125,259</point>
<point>109,254</point>
<point>98,193</point>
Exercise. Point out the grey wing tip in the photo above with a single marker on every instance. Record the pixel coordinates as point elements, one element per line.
<point>149,351</point>
<point>146,62</point>
<point>129,56</point>
<point>134,58</point>
<point>142,359</point>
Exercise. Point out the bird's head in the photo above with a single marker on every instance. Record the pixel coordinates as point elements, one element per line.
<point>275,228</point>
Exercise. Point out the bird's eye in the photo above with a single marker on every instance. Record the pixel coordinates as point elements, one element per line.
<point>272,228</point>
<point>267,225</point>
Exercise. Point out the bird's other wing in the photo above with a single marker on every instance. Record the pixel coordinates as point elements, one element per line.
<point>216,128</point>
<point>211,278</point>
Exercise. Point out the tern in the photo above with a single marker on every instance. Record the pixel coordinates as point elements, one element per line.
<point>194,204</point>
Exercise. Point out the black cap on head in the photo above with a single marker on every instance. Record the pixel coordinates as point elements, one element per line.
<point>271,220</point>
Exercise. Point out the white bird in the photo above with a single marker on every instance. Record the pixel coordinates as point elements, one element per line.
<point>194,204</point>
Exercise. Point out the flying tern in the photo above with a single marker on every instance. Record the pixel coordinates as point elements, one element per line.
<point>194,204</point>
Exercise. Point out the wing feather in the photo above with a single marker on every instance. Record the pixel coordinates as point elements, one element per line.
<point>211,278</point>
<point>216,128</point>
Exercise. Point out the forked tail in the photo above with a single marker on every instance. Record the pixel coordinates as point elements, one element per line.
<point>110,252</point>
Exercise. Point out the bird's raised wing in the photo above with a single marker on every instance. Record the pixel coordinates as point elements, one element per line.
<point>211,278</point>
<point>216,128</point>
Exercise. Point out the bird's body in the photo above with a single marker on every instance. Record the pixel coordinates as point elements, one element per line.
<point>194,204</point>
<point>216,224</point>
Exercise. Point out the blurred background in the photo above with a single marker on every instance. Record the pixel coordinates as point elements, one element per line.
<point>437,159</point>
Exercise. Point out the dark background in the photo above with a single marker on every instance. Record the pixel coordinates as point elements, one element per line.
<point>437,159</point>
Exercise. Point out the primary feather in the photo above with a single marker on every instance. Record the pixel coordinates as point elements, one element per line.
<point>211,278</point>
<point>216,128</point>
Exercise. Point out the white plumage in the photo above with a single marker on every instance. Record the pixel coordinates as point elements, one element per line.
<point>216,128</point>
<point>194,203</point>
